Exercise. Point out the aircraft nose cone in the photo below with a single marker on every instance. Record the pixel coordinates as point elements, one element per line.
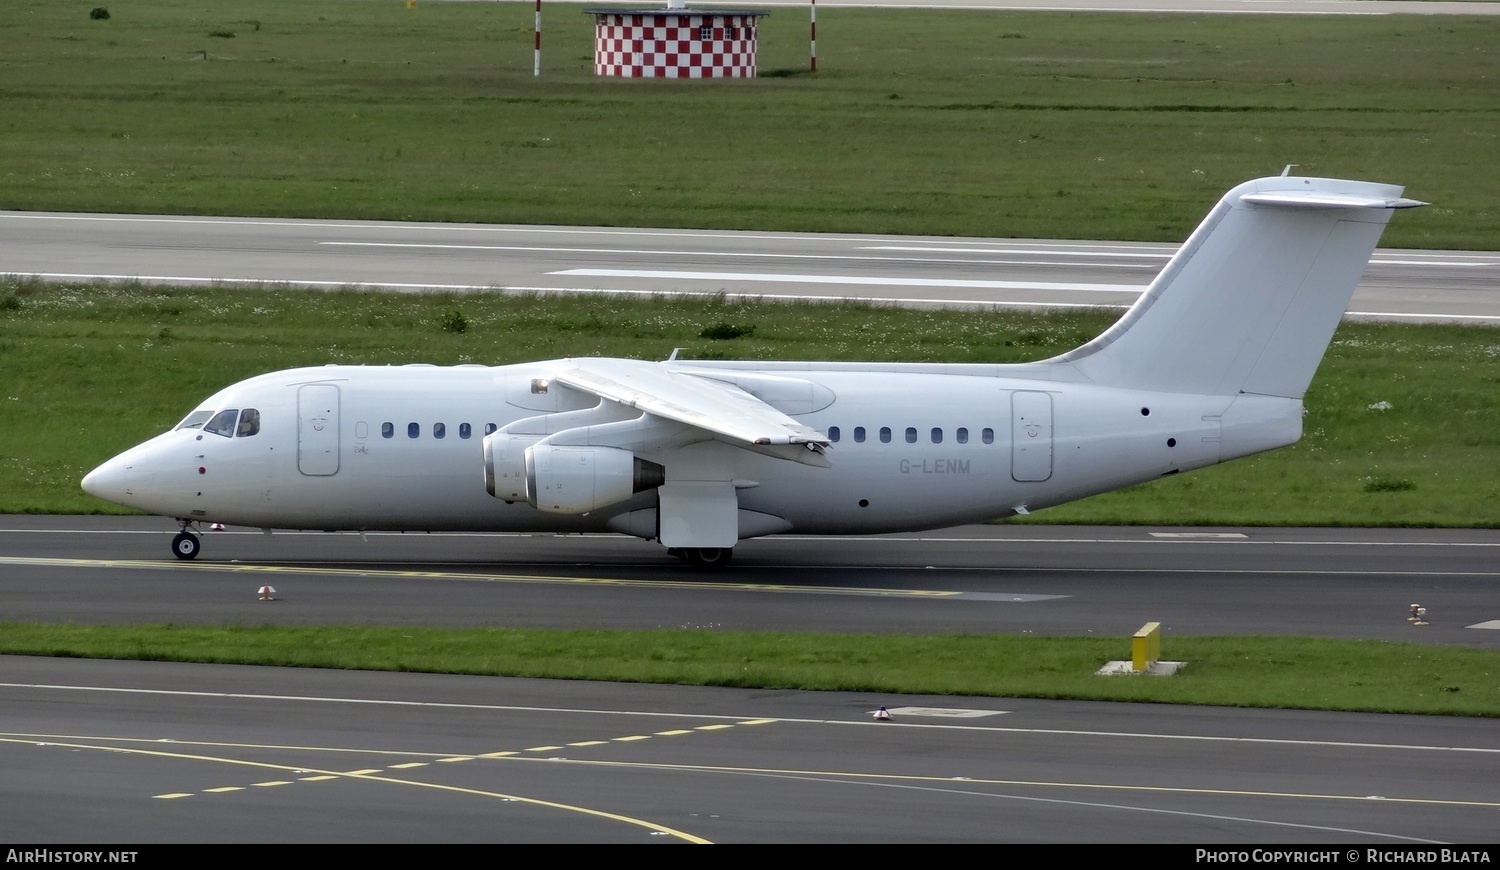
<point>112,480</point>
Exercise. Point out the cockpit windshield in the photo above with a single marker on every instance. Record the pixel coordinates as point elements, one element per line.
<point>224,422</point>
<point>196,419</point>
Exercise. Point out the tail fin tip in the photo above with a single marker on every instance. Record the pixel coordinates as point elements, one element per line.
<point>1250,301</point>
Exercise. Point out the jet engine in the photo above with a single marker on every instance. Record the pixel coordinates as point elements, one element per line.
<point>505,465</point>
<point>563,479</point>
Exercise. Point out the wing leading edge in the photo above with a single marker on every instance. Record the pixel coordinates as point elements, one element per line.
<point>731,414</point>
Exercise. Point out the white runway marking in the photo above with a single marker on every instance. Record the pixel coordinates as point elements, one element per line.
<point>1155,255</point>
<point>759,255</point>
<point>861,722</point>
<point>852,280</point>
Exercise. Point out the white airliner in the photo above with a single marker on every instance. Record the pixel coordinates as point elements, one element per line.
<point>1209,365</point>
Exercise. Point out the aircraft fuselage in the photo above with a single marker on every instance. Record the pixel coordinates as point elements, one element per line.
<point>400,448</point>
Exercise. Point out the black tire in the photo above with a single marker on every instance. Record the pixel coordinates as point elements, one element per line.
<point>185,546</point>
<point>709,558</point>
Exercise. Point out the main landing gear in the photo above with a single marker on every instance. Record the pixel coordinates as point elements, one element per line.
<point>185,544</point>
<point>709,558</point>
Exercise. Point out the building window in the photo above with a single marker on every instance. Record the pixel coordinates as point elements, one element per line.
<point>706,32</point>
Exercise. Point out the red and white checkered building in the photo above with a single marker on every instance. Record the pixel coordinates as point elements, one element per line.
<point>675,43</point>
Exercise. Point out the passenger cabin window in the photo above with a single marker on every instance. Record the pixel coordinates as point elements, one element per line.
<point>833,433</point>
<point>962,435</point>
<point>885,434</point>
<point>987,436</point>
<point>249,423</point>
<point>489,428</point>
<point>413,430</point>
<point>911,434</point>
<point>222,423</point>
<point>439,430</point>
<point>465,430</point>
<point>859,434</point>
<point>195,420</point>
<point>387,430</point>
<point>937,435</point>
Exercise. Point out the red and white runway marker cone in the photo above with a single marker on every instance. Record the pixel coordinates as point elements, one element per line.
<point>267,593</point>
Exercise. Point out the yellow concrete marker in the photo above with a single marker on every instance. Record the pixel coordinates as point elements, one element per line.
<point>1145,646</point>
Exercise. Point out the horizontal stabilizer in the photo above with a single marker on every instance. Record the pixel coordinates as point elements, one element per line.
<point>1321,199</point>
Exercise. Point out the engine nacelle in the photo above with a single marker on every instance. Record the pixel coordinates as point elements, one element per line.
<point>505,465</point>
<point>576,480</point>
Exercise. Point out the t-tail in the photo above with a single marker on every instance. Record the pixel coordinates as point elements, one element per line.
<point>1251,300</point>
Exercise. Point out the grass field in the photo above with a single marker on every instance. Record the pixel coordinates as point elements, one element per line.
<point>918,121</point>
<point>1292,673</point>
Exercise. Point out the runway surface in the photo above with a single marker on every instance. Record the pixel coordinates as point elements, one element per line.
<point>122,752</point>
<point>145,753</point>
<point>1420,286</point>
<point>1007,578</point>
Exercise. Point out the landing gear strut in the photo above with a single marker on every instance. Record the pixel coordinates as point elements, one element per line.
<point>711,558</point>
<point>185,544</point>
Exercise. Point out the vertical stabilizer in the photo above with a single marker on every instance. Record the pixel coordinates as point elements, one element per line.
<point>1250,302</point>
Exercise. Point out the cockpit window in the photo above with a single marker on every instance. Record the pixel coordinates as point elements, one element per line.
<point>249,423</point>
<point>195,419</point>
<point>222,423</point>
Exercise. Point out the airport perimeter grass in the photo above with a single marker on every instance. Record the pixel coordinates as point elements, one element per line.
<point>1041,125</point>
<point>1292,673</point>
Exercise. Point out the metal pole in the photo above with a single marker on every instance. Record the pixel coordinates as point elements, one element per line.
<point>814,7</point>
<point>536,64</point>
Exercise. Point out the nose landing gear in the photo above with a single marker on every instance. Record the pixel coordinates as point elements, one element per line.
<point>185,544</point>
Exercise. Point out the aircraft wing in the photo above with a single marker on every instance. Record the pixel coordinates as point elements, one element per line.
<point>730,413</point>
